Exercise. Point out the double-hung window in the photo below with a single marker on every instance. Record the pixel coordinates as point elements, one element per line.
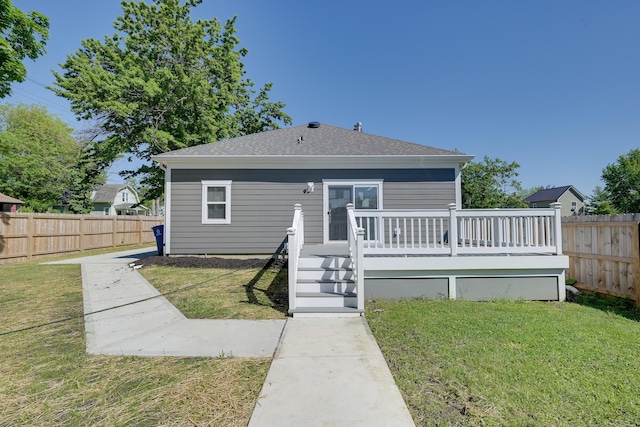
<point>216,202</point>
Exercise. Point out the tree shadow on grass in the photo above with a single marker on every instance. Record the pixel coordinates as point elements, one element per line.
<point>277,289</point>
<point>620,306</point>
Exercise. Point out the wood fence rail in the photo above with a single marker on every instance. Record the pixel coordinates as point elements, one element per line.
<point>604,253</point>
<point>31,236</point>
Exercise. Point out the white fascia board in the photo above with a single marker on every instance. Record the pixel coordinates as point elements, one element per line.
<point>468,263</point>
<point>306,162</point>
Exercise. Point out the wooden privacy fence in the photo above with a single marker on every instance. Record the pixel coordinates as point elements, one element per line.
<point>604,253</point>
<point>30,236</point>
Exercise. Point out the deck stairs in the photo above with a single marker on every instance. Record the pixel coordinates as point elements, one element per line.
<point>325,286</point>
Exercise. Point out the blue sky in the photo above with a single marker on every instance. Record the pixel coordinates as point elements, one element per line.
<point>553,85</point>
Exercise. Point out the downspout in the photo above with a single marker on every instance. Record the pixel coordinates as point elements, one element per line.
<point>458,184</point>
<point>167,207</point>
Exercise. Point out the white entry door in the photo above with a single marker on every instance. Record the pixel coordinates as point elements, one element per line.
<point>365,195</point>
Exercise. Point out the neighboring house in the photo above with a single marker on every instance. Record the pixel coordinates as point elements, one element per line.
<point>237,196</point>
<point>9,204</point>
<point>116,199</point>
<point>572,200</point>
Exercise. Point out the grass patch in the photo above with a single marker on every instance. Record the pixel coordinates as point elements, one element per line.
<point>247,293</point>
<point>620,306</point>
<point>511,363</point>
<point>46,378</point>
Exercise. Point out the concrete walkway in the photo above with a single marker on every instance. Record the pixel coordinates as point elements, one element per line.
<point>326,371</point>
<point>155,327</point>
<point>329,372</point>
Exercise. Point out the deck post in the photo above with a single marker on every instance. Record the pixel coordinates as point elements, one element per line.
<point>453,288</point>
<point>557,224</point>
<point>292,266</point>
<point>297,210</point>
<point>360,267</point>
<point>453,229</point>
<point>295,240</point>
<point>562,287</point>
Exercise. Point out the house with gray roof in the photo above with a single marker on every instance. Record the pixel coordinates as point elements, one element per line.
<point>9,204</point>
<point>116,199</point>
<point>572,200</point>
<point>358,216</point>
<point>237,195</point>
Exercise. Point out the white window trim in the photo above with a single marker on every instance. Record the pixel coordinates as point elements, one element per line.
<point>227,212</point>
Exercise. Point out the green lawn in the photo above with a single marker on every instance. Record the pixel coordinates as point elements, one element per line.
<point>512,363</point>
<point>456,362</point>
<point>245,293</point>
<point>47,379</point>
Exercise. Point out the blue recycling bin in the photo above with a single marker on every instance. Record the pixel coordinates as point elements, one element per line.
<point>158,231</point>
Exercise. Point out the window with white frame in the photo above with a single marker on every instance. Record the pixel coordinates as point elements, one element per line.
<point>574,205</point>
<point>216,202</point>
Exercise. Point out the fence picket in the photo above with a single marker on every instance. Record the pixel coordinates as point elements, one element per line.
<point>604,253</point>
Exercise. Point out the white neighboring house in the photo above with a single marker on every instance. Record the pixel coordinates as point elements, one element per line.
<point>116,199</point>
<point>572,200</point>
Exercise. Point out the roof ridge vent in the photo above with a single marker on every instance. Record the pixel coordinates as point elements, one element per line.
<point>314,125</point>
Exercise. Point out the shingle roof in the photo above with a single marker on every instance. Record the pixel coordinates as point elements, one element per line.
<point>549,194</point>
<point>8,199</point>
<point>107,193</point>
<point>324,140</point>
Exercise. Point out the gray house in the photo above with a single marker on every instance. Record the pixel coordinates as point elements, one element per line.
<point>236,196</point>
<point>572,200</point>
<point>358,216</point>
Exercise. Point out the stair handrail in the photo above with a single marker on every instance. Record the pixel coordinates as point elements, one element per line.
<point>295,241</point>
<point>355,239</point>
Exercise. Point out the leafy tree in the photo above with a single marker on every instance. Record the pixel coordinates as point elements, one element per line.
<point>37,155</point>
<point>599,203</point>
<point>164,82</point>
<point>622,182</point>
<point>92,170</point>
<point>491,184</point>
<point>21,35</point>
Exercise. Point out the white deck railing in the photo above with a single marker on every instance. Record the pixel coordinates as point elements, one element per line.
<point>355,239</point>
<point>476,231</point>
<point>295,242</point>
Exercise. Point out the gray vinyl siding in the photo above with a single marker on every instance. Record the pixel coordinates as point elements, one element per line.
<point>262,204</point>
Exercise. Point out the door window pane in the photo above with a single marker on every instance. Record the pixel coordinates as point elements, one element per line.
<point>366,197</point>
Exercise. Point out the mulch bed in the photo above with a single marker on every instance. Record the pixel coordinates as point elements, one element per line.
<point>209,262</point>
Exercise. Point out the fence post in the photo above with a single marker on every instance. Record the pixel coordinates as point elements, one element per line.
<point>636,265</point>
<point>30,225</point>
<point>81,234</point>
<point>557,227</point>
<point>453,229</point>
<point>114,236</point>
